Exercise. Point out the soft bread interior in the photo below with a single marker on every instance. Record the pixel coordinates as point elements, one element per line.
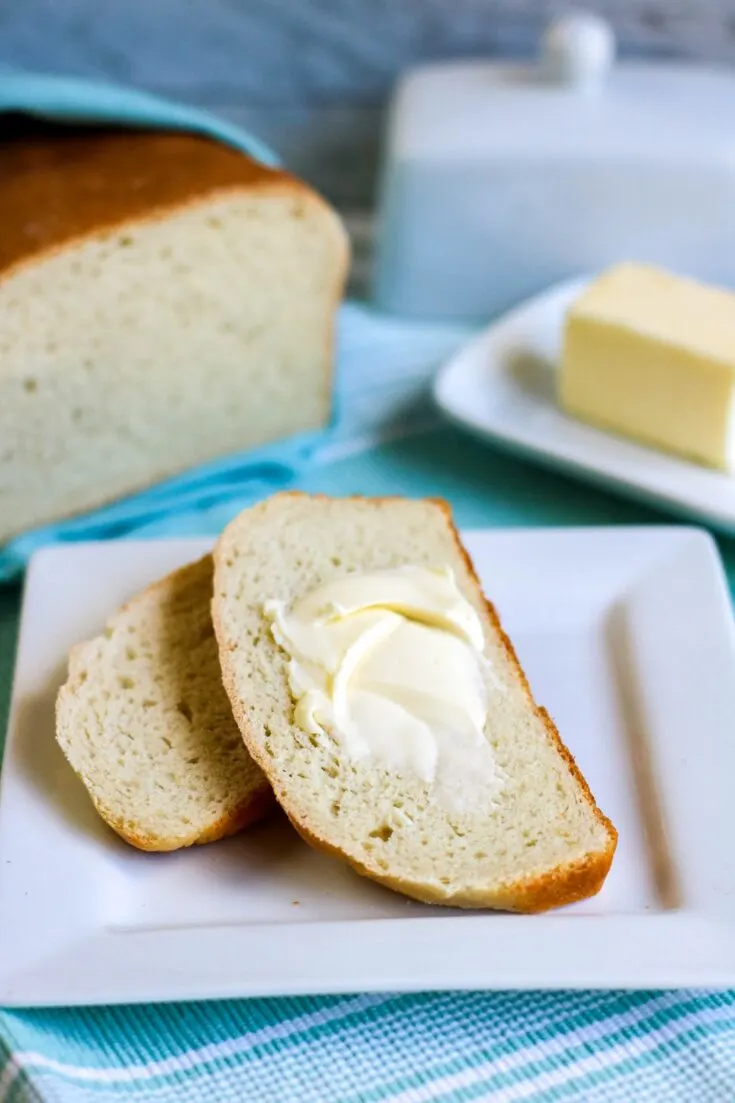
<point>131,355</point>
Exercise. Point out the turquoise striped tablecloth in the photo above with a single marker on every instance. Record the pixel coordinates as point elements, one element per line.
<point>595,1047</point>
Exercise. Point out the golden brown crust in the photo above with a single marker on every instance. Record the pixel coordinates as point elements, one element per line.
<point>566,884</point>
<point>259,804</point>
<point>581,879</point>
<point>562,886</point>
<point>61,184</point>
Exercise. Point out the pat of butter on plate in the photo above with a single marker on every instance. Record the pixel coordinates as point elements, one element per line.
<point>651,356</point>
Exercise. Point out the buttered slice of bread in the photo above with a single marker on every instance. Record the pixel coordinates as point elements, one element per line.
<point>535,842</point>
<point>145,723</point>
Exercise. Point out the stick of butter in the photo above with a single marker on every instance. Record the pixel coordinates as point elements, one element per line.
<point>651,356</point>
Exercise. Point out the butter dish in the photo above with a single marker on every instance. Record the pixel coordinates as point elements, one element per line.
<point>502,387</point>
<point>502,178</point>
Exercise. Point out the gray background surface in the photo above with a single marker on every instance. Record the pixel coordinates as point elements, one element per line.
<point>312,76</point>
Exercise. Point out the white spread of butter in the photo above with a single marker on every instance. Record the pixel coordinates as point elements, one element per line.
<point>390,664</point>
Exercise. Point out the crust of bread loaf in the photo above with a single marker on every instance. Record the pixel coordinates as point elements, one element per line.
<point>565,884</point>
<point>259,802</point>
<point>258,805</point>
<point>278,185</point>
<point>76,183</point>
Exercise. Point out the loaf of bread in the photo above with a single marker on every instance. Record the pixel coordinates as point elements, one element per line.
<point>145,723</point>
<point>536,841</point>
<point>164,300</point>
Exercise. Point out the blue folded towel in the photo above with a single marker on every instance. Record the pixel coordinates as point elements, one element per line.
<point>66,100</point>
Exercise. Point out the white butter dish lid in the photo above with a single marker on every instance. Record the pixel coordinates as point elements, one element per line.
<point>500,179</point>
<point>642,110</point>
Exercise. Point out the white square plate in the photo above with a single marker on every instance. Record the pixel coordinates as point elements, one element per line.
<point>627,637</point>
<point>501,386</point>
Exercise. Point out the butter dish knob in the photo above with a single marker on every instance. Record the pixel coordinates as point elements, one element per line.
<point>578,50</point>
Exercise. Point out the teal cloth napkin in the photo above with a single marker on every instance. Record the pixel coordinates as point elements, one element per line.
<point>609,1047</point>
<point>68,100</point>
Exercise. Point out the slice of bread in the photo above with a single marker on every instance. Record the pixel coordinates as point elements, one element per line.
<point>538,843</point>
<point>145,723</point>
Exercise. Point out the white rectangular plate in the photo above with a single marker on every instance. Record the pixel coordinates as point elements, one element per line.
<point>501,386</point>
<point>627,637</point>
